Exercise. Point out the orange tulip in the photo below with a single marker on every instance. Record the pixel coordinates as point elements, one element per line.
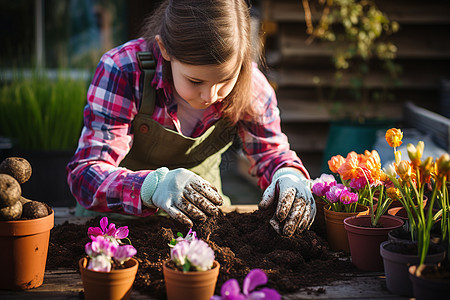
<point>349,169</point>
<point>394,137</point>
<point>335,163</point>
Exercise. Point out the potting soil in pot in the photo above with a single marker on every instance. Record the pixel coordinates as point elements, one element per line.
<point>241,241</point>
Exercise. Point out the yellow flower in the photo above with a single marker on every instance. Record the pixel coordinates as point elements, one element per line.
<point>415,153</point>
<point>394,137</point>
<point>442,169</point>
<point>393,193</point>
<point>404,170</point>
<point>426,168</point>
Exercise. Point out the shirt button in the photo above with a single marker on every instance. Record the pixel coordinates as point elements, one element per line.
<point>143,128</point>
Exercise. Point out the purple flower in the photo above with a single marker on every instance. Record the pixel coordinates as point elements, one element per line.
<point>323,184</point>
<point>334,194</point>
<point>231,291</point>
<point>348,197</point>
<point>111,231</point>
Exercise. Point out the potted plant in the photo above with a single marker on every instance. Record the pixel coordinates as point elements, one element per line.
<point>357,34</point>
<point>42,114</point>
<point>409,181</point>
<point>341,203</point>
<point>192,271</point>
<point>24,229</point>
<point>363,175</point>
<point>230,289</point>
<point>109,270</point>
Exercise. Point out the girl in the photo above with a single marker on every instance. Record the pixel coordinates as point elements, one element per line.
<point>163,108</point>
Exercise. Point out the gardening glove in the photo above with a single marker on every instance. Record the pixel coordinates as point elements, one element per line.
<point>295,205</point>
<point>182,194</point>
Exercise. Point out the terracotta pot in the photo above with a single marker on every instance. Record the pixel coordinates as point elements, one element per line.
<point>364,240</point>
<point>190,285</point>
<point>428,288</point>
<point>115,284</point>
<point>396,265</point>
<point>397,203</point>
<point>23,252</point>
<point>336,233</point>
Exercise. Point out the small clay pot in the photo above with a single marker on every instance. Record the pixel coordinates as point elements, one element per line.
<point>23,252</point>
<point>336,233</point>
<point>113,285</point>
<point>194,285</point>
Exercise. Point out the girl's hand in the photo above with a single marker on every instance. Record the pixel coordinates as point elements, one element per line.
<point>296,206</point>
<point>182,194</point>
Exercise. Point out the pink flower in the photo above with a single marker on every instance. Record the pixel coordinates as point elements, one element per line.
<point>348,197</point>
<point>191,253</point>
<point>124,253</point>
<point>111,231</point>
<point>101,245</point>
<point>200,255</point>
<point>106,247</point>
<point>323,184</point>
<point>334,194</point>
<point>100,263</point>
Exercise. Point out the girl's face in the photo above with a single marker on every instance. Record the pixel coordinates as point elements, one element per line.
<point>202,86</point>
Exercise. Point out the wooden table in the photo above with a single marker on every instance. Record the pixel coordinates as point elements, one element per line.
<point>66,283</point>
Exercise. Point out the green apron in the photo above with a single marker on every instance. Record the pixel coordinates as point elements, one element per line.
<point>155,146</point>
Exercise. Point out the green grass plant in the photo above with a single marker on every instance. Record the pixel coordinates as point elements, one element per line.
<point>42,113</point>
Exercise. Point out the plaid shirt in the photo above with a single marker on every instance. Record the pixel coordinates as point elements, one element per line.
<point>113,100</point>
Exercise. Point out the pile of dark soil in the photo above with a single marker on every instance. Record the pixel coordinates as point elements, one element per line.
<point>241,241</point>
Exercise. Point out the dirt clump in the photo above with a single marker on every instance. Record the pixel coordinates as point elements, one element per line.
<point>241,242</point>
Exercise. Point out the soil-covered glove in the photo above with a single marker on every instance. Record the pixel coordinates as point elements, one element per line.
<point>296,206</point>
<point>181,193</point>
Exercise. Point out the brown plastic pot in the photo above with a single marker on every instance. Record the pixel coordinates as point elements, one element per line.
<point>113,285</point>
<point>336,233</point>
<point>396,264</point>
<point>364,240</point>
<point>428,288</point>
<point>23,252</point>
<point>190,285</point>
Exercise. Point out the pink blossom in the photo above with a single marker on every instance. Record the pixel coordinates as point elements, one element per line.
<point>124,253</point>
<point>334,194</point>
<point>348,197</point>
<point>111,231</point>
<point>322,185</point>
<point>100,263</point>
<point>200,255</point>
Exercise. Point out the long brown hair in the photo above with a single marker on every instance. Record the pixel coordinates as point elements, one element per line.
<point>205,32</point>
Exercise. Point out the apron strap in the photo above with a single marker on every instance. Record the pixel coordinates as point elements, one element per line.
<point>147,64</point>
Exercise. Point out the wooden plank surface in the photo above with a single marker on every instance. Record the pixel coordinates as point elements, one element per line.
<point>66,284</point>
